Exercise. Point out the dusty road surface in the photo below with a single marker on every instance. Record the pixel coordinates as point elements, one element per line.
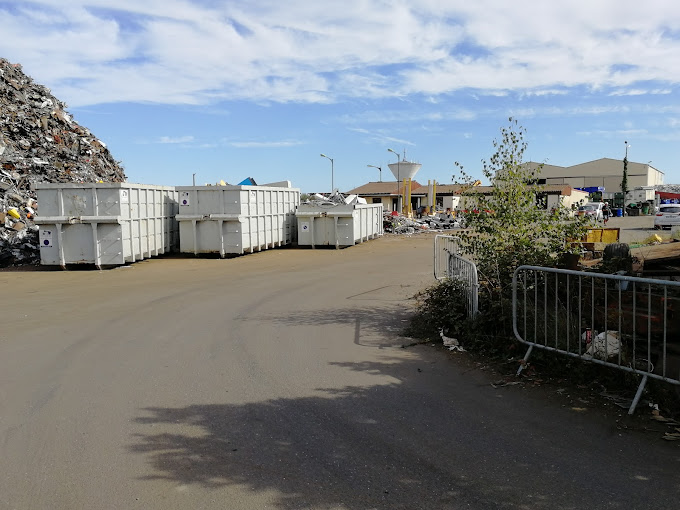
<point>276,380</point>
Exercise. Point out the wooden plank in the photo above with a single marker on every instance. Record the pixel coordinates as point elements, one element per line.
<point>657,252</point>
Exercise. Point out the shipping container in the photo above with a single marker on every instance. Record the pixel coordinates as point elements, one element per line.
<point>233,220</point>
<point>333,224</point>
<point>105,223</point>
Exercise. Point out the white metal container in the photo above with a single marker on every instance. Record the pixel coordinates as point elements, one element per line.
<point>332,224</point>
<point>105,223</point>
<point>232,220</point>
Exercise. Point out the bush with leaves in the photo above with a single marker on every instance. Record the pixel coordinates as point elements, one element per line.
<point>506,227</point>
<point>509,225</point>
<point>440,308</point>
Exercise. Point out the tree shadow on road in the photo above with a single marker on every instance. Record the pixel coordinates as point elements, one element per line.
<point>378,327</point>
<point>398,445</point>
<point>313,452</point>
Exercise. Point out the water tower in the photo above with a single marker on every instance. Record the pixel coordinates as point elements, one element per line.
<point>404,169</point>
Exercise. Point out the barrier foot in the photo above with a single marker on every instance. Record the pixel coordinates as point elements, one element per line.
<point>638,394</point>
<point>526,358</point>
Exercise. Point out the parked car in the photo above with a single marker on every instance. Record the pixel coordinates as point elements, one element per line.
<point>667,216</point>
<point>592,210</point>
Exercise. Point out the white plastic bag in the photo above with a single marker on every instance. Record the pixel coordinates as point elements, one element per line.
<point>605,345</point>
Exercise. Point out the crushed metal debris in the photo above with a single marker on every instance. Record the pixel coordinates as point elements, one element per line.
<point>396,223</point>
<point>39,142</point>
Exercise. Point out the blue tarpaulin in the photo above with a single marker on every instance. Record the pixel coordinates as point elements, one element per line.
<point>592,189</point>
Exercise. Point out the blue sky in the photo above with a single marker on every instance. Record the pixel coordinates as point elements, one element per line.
<point>229,89</point>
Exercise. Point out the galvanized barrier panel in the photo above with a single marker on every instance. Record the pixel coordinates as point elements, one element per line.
<point>623,322</point>
<point>444,245</point>
<point>448,263</point>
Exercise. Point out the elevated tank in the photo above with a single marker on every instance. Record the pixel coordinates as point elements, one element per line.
<point>404,170</point>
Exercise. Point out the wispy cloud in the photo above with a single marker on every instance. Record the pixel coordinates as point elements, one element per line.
<point>544,92</point>
<point>409,117</point>
<point>176,140</point>
<point>640,92</point>
<point>552,111</point>
<point>616,133</point>
<point>380,137</point>
<point>265,145</point>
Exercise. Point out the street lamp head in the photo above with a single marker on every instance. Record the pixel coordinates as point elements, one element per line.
<point>323,155</point>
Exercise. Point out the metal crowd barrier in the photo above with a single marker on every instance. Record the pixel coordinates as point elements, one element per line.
<point>628,323</point>
<point>444,245</point>
<point>448,263</point>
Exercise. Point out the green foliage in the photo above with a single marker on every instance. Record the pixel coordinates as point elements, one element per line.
<point>510,225</point>
<point>506,228</point>
<point>440,307</point>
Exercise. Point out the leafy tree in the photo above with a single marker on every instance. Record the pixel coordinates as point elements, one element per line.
<point>510,226</point>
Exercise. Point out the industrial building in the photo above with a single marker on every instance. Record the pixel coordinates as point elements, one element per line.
<point>606,173</point>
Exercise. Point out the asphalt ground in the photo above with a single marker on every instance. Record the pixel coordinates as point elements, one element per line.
<point>278,380</point>
<point>635,229</point>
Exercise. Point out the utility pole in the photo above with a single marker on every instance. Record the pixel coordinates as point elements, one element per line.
<point>379,169</point>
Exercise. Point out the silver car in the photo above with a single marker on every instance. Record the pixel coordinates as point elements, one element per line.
<point>592,210</point>
<point>667,216</point>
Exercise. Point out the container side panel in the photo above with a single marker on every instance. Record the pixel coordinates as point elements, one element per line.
<point>78,243</point>
<point>49,245</point>
<point>110,244</point>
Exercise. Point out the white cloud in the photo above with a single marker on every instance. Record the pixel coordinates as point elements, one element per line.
<point>175,140</point>
<point>195,52</point>
<point>617,133</point>
<point>265,145</point>
<point>545,92</point>
<point>408,117</point>
<point>380,136</point>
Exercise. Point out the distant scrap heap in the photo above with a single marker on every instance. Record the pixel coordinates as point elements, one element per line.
<point>39,142</point>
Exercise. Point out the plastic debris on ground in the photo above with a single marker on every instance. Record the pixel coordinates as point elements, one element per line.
<point>605,345</point>
<point>451,343</point>
<point>39,142</point>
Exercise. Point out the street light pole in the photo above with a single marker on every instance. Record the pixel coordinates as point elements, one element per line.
<point>379,168</point>
<point>398,179</point>
<point>332,171</point>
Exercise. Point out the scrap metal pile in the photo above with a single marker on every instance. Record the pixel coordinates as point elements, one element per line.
<point>400,224</point>
<point>335,198</point>
<point>668,188</point>
<point>39,142</point>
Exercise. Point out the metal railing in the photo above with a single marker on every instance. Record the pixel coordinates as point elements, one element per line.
<point>448,263</point>
<point>444,245</point>
<point>624,322</point>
